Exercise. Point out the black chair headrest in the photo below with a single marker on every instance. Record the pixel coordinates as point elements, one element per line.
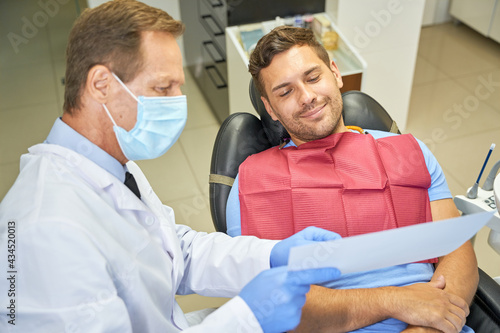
<point>362,110</point>
<point>275,132</point>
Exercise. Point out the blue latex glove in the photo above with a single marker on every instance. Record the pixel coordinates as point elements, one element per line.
<point>280,251</point>
<point>276,296</point>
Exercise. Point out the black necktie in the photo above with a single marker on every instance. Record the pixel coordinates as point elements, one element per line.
<point>131,184</point>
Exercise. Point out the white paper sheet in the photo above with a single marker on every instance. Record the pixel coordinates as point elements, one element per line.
<point>391,247</point>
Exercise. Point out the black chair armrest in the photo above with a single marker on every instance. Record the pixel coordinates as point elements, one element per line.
<point>485,308</point>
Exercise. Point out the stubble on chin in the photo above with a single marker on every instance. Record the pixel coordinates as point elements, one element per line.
<point>324,128</point>
<point>309,131</point>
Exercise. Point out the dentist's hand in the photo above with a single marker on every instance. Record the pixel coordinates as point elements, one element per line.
<point>276,296</point>
<point>280,252</point>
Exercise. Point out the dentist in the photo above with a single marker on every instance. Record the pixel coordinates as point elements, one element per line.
<point>88,245</point>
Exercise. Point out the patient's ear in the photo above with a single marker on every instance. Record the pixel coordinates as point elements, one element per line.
<point>336,73</point>
<point>269,109</point>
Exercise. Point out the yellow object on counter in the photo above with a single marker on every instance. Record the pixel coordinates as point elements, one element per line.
<point>330,39</point>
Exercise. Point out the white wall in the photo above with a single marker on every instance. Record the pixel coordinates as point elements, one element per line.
<point>436,12</point>
<point>386,34</point>
<point>170,6</point>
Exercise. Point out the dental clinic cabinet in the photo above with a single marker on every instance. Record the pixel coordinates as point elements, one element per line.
<point>481,15</point>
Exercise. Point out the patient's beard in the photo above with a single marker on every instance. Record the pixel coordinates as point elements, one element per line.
<point>326,125</point>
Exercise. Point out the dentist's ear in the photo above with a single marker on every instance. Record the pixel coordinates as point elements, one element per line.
<point>98,83</point>
<point>268,107</point>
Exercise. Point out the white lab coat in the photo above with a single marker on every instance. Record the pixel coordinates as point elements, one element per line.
<point>92,257</point>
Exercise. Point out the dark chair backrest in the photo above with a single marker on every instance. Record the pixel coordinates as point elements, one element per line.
<point>239,136</point>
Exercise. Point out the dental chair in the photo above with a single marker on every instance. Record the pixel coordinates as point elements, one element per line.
<point>243,134</point>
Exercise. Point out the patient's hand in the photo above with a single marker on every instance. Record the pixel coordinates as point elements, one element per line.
<point>427,304</point>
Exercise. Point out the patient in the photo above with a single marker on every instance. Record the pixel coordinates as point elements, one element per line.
<point>337,178</point>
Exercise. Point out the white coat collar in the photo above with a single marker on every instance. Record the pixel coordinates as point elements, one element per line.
<point>93,174</point>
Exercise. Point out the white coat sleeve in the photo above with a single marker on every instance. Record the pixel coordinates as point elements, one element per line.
<point>215,264</point>
<point>218,265</point>
<point>234,316</point>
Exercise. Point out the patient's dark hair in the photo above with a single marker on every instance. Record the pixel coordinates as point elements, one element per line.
<point>279,40</point>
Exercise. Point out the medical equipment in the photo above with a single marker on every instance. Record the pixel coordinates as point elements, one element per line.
<point>483,200</point>
<point>488,183</point>
<point>472,192</point>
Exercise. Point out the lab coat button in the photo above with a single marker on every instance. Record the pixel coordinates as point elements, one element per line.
<point>150,220</point>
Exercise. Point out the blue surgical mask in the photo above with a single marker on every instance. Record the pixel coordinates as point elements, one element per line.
<point>160,121</point>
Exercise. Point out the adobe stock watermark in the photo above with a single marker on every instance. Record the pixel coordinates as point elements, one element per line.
<point>188,211</point>
<point>31,26</point>
<point>91,308</point>
<point>455,115</point>
<point>373,28</point>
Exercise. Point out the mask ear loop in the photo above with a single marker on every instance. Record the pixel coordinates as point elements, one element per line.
<point>109,114</point>
<point>126,88</point>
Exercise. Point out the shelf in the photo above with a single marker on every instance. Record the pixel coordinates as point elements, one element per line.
<point>347,60</point>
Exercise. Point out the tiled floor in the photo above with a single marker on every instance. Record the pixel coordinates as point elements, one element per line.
<point>452,110</point>
<point>455,110</point>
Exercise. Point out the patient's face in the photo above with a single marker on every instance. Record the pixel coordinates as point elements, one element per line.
<point>303,94</point>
